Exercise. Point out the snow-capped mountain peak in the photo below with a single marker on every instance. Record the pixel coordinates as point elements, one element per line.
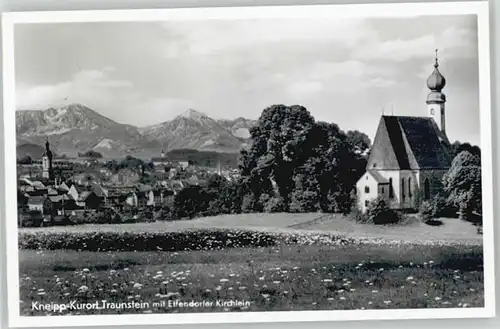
<point>192,114</point>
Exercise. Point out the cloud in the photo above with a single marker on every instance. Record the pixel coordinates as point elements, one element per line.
<point>304,88</point>
<point>381,82</point>
<point>453,42</point>
<point>212,37</point>
<point>85,86</point>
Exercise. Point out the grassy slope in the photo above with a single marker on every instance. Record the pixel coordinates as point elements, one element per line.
<point>452,230</point>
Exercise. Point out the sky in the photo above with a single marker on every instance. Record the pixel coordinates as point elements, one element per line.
<point>345,71</point>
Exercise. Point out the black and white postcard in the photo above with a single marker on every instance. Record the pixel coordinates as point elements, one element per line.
<point>248,164</point>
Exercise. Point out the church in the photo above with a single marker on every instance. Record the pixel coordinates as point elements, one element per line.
<point>47,166</point>
<point>409,155</point>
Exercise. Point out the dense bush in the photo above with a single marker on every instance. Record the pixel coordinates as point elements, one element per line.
<point>304,201</point>
<point>169,241</point>
<point>426,211</point>
<point>248,204</point>
<point>378,212</point>
<point>274,204</point>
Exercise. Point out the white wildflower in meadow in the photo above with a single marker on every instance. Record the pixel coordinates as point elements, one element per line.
<point>295,268</point>
<point>85,270</point>
<point>330,298</point>
<point>370,284</point>
<point>224,280</point>
<point>137,285</point>
<point>83,289</point>
<point>242,288</point>
<point>266,296</point>
<point>231,275</point>
<point>66,294</point>
<point>413,282</point>
<point>465,305</point>
<point>367,281</point>
<point>410,278</point>
<point>456,277</point>
<point>130,297</point>
<point>387,302</point>
<point>342,298</point>
<point>125,269</point>
<point>41,289</point>
<point>472,289</point>
<point>327,280</point>
<point>276,282</point>
<point>370,303</point>
<point>437,298</point>
<point>374,291</point>
<point>352,290</point>
<point>411,264</point>
<point>41,293</point>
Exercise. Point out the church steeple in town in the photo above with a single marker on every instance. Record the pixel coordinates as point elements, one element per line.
<point>436,99</point>
<point>47,170</point>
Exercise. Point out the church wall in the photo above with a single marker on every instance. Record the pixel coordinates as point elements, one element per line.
<point>366,190</point>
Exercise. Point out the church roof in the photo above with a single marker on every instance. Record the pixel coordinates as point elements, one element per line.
<point>378,177</point>
<point>404,142</point>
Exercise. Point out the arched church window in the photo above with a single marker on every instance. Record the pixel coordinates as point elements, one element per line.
<point>403,188</point>
<point>391,190</point>
<point>427,189</point>
<point>367,189</point>
<point>409,187</point>
<point>432,112</point>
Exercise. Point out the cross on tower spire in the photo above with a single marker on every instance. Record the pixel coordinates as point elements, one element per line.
<point>436,64</point>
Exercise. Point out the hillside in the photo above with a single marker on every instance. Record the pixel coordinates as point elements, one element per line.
<point>76,128</point>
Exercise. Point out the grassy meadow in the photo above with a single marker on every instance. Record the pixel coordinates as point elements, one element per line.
<point>417,270</point>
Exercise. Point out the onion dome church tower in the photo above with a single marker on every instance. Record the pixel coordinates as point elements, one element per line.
<point>436,99</point>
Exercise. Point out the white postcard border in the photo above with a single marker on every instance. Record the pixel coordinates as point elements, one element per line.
<point>480,8</point>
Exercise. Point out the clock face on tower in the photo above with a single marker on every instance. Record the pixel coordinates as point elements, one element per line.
<point>432,111</point>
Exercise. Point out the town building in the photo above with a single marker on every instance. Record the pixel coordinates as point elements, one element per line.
<point>409,155</point>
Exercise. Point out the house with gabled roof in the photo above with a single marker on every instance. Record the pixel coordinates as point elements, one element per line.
<point>409,155</point>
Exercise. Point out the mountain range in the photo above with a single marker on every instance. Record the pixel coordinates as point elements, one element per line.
<point>76,128</point>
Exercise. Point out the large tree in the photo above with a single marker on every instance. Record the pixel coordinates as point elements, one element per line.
<point>278,148</point>
<point>458,147</point>
<point>462,183</point>
<point>313,165</point>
